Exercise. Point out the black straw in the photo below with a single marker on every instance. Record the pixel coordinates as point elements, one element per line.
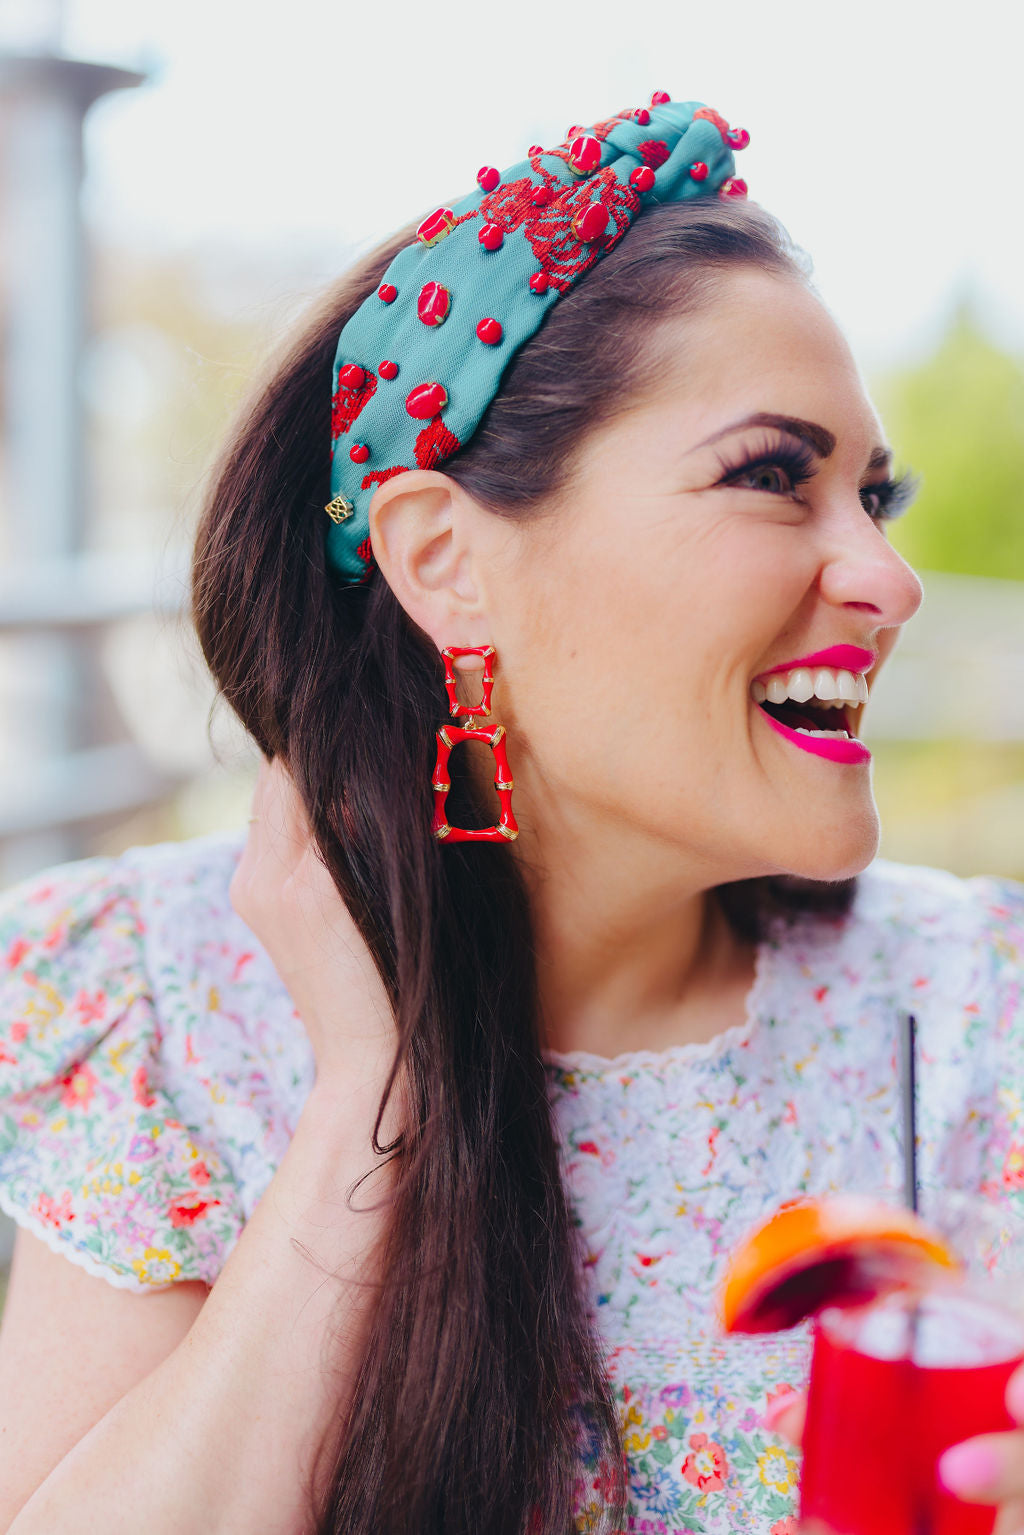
<point>908,1079</point>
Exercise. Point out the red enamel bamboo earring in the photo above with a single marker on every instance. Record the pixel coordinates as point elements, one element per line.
<point>449,736</point>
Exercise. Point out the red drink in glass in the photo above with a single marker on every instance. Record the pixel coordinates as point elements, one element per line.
<point>892,1385</point>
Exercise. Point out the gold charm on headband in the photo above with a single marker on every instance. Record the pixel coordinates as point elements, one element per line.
<point>340,508</point>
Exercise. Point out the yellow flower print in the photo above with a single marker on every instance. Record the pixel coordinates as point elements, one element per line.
<point>637,1442</point>
<point>777,1469</point>
<point>156,1266</point>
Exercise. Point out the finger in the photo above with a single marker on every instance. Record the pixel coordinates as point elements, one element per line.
<point>986,1469</point>
<point>786,1415</point>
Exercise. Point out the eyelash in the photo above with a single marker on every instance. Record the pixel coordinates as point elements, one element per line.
<point>798,462</point>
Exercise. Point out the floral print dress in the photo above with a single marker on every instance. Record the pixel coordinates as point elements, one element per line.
<point>153,1070</point>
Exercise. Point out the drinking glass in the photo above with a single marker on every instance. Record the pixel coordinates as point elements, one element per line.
<point>895,1382</point>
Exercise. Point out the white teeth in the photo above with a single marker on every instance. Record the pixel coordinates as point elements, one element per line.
<point>824,683</point>
<point>799,685</point>
<point>830,689</point>
<point>830,735</point>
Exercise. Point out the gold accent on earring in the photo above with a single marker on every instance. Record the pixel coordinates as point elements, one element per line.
<point>339,508</point>
<point>445,737</point>
<point>498,733</point>
<point>500,784</point>
<point>441,788</point>
<point>442,832</point>
<point>510,836</point>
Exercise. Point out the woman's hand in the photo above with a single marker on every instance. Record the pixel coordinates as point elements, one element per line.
<point>986,1469</point>
<point>283,892</point>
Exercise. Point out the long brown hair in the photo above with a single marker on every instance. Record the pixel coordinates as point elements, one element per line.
<point>482,1375</point>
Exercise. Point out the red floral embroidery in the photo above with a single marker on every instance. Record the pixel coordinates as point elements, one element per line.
<point>561,254</point>
<point>187,1215</point>
<point>199,1173</point>
<point>19,1031</point>
<point>347,403</point>
<point>785,1526</point>
<point>434,443</point>
<point>602,129</point>
<point>378,476</point>
<point>653,152</point>
<point>706,1466</point>
<point>712,116</point>
<point>7,1055</point>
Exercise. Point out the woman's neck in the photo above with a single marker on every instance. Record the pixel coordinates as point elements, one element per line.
<point>629,962</point>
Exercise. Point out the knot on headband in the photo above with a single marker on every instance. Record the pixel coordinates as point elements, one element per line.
<point>421,359</point>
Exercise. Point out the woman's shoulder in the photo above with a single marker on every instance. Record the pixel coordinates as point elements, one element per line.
<point>151,1063</point>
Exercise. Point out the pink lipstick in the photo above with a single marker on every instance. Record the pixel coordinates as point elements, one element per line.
<point>842,749</point>
<point>850,658</point>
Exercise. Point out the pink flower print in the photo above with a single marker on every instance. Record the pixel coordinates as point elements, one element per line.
<point>90,1008</point>
<point>785,1526</point>
<point>820,993</point>
<point>706,1466</point>
<point>712,1138</point>
<point>7,1055</point>
<point>1013,1167</point>
<point>199,1173</point>
<point>79,1087</point>
<point>240,963</point>
<point>142,1148</point>
<point>590,1147</point>
<point>51,1213</point>
<point>16,953</point>
<point>55,937</point>
<point>676,1395</point>
<point>19,1031</point>
<point>646,1259</point>
<point>140,1088</point>
<point>187,1215</point>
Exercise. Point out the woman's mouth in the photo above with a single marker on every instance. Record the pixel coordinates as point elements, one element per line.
<point>815,708</point>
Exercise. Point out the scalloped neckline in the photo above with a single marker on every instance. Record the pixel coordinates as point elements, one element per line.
<point>695,1050</point>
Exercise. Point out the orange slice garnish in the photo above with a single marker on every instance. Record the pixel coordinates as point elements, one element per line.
<point>840,1249</point>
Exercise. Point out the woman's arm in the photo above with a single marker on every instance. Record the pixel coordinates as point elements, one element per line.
<point>219,1439</point>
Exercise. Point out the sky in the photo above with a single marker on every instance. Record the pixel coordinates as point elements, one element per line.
<point>886,136</point>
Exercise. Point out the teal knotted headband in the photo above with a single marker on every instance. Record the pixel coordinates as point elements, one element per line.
<point>421,359</point>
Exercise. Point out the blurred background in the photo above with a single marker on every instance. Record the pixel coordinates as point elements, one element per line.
<point>178,182</point>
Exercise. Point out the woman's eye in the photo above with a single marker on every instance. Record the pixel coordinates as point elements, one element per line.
<point>770,477</point>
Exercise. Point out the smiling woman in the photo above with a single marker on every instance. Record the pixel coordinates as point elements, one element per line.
<point>647,496</point>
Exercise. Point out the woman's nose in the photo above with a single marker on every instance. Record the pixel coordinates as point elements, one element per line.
<point>863,570</point>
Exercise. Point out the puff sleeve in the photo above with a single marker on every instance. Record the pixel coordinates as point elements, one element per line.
<point>94,1158</point>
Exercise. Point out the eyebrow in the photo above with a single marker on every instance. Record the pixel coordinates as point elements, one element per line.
<point>816,436</point>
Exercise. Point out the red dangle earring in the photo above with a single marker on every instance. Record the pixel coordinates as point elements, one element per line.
<point>449,736</point>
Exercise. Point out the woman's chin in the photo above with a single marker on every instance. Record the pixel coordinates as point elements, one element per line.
<point>832,854</point>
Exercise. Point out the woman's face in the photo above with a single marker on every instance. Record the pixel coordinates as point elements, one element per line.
<point>725,527</point>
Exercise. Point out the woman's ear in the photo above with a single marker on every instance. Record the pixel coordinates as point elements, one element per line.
<point>426,536</point>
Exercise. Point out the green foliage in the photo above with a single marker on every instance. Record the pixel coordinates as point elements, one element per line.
<point>958,419</point>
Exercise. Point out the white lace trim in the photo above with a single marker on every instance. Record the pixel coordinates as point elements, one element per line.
<point>47,1234</point>
<point>701,1050</point>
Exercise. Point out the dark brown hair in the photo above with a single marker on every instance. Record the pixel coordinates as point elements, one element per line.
<point>482,1376</point>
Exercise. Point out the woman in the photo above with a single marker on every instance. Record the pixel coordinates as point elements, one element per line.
<point>464,1134</point>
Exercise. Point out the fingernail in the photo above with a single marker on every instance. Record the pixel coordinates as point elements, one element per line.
<point>968,1468</point>
<point>780,1405</point>
<point>1015,1396</point>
